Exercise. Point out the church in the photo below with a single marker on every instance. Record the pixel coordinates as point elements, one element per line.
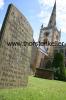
<point>45,54</point>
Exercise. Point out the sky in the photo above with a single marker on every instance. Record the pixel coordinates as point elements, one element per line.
<point>37,13</point>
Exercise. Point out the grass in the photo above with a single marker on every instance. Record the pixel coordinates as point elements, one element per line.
<point>37,89</point>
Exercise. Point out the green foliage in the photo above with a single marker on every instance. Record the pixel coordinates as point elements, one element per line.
<point>62,73</point>
<point>58,66</point>
<point>58,60</point>
<point>65,73</point>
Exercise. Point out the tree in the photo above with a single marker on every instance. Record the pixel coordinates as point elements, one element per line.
<point>58,66</point>
<point>58,60</point>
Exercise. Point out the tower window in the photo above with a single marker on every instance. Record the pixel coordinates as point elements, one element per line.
<point>57,37</point>
<point>46,33</point>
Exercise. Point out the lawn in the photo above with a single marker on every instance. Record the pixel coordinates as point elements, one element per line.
<point>37,89</point>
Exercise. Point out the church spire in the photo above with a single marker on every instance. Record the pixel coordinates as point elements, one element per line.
<point>52,21</point>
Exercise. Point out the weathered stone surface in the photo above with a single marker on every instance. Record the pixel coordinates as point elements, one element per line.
<point>44,73</point>
<point>33,58</point>
<point>14,60</point>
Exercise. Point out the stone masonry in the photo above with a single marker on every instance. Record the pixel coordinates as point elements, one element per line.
<point>14,59</point>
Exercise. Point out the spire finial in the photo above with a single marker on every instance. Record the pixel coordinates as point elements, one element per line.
<point>42,26</point>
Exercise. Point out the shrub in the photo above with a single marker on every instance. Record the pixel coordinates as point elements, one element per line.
<point>58,66</point>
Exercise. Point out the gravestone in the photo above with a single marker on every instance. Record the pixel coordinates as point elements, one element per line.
<point>14,59</point>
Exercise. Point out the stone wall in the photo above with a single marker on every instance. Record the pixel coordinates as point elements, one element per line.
<point>14,59</point>
<point>44,73</point>
<point>33,58</point>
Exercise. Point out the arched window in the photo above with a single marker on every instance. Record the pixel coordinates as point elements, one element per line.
<point>46,34</point>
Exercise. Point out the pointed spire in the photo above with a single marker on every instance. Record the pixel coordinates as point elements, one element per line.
<point>42,26</point>
<point>52,21</point>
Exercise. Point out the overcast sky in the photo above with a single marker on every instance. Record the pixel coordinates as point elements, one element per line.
<point>38,12</point>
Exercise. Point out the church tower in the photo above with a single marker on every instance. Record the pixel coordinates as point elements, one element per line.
<point>45,54</point>
<point>50,33</point>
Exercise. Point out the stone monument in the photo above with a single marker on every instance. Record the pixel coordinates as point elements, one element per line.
<point>15,57</point>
